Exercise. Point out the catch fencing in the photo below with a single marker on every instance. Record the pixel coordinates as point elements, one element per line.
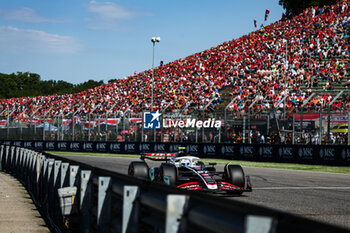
<point>240,127</point>
<point>76,197</point>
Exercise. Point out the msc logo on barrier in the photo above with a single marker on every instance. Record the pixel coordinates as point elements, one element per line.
<point>151,120</point>
<point>50,145</point>
<point>227,150</point>
<point>159,148</point>
<point>209,149</point>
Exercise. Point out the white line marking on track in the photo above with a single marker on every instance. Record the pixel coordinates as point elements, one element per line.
<point>300,188</point>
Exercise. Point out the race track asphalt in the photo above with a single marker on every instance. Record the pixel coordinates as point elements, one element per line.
<point>321,196</point>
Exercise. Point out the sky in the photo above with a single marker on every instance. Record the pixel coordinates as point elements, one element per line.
<point>80,40</point>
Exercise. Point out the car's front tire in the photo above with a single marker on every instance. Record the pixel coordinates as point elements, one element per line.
<point>170,171</point>
<point>234,174</point>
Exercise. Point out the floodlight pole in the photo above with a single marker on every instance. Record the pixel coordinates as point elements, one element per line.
<point>285,78</point>
<point>154,40</point>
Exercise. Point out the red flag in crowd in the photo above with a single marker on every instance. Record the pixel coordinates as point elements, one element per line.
<point>267,12</point>
<point>254,23</point>
<point>2,123</point>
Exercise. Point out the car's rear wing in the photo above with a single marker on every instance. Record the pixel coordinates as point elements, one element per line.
<point>158,156</point>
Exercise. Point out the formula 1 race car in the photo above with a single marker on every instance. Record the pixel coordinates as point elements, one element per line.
<point>188,172</point>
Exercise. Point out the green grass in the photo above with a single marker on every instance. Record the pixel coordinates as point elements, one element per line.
<point>93,154</point>
<point>293,166</point>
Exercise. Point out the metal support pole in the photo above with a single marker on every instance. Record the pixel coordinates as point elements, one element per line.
<point>58,128</point>
<point>244,129</point>
<point>249,128</point>
<point>329,125</point>
<point>62,133</point>
<point>89,131</point>
<point>293,134</point>
<point>99,127</point>
<point>8,123</point>
<point>268,125</point>
<point>73,126</point>
<point>117,129</point>
<point>152,76</point>
<point>106,128</point>
<point>301,122</point>
<point>44,128</point>
<point>348,128</point>
<point>124,127</point>
<point>320,137</point>
<point>21,130</point>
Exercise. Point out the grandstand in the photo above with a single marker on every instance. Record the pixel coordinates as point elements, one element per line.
<point>300,64</point>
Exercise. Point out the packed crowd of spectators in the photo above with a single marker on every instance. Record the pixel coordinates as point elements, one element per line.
<point>272,62</point>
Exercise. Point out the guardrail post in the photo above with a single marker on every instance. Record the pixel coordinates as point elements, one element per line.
<point>85,200</point>
<point>26,166</point>
<point>103,204</point>
<point>37,170</point>
<point>259,224</point>
<point>55,185</point>
<point>21,164</point>
<point>56,171</point>
<point>11,158</point>
<point>34,155</point>
<point>29,170</point>
<point>130,209</point>
<point>33,170</point>
<point>15,162</point>
<point>40,176</point>
<point>6,157</point>
<point>177,206</point>
<point>64,172</point>
<point>49,185</point>
<point>18,161</point>
<point>1,156</point>
<point>73,172</point>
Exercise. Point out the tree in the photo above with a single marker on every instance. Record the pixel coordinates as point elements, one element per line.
<point>30,84</point>
<point>294,7</point>
<point>87,85</point>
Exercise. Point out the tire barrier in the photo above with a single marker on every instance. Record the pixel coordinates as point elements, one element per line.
<point>76,197</point>
<point>306,154</point>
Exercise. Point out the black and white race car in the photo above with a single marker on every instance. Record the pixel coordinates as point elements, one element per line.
<point>188,172</point>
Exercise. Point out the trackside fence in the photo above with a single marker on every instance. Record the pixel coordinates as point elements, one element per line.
<point>75,197</point>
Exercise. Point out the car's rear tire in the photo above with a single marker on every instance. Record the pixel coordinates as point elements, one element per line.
<point>138,169</point>
<point>169,170</point>
<point>234,174</point>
